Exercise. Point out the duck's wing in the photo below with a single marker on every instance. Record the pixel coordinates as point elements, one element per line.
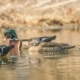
<point>66,47</point>
<point>48,39</point>
<point>1,47</point>
<point>6,49</point>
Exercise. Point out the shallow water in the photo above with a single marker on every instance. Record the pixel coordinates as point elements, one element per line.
<point>43,66</point>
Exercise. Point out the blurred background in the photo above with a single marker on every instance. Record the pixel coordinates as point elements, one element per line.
<point>41,17</point>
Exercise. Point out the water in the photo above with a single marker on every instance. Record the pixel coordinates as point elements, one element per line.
<point>42,66</point>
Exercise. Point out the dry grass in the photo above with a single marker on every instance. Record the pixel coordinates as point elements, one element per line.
<point>22,12</point>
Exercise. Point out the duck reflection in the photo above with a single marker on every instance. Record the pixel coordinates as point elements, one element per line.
<point>36,57</point>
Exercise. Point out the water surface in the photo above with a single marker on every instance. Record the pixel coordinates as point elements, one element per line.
<point>43,66</point>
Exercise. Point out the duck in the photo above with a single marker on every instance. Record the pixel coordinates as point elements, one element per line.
<point>38,40</point>
<point>11,36</point>
<point>4,49</point>
<point>50,47</point>
<point>45,38</point>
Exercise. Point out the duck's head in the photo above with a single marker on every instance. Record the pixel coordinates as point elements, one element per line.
<point>10,34</point>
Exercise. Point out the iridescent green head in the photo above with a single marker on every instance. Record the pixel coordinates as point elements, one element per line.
<point>10,34</point>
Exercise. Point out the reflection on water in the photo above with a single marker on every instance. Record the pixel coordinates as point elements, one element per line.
<point>43,66</point>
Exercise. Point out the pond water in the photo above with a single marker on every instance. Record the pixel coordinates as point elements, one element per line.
<point>42,66</point>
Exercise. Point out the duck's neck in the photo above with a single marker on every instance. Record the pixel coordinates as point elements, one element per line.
<point>15,50</point>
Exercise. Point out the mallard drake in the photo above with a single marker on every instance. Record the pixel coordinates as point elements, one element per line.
<point>11,35</point>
